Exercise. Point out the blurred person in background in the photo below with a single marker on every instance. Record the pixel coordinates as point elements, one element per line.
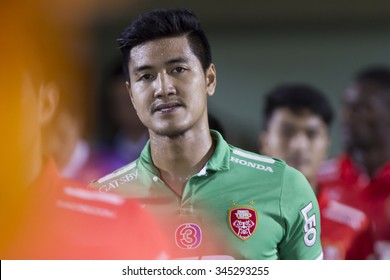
<point>297,120</point>
<point>69,136</point>
<point>363,170</point>
<point>215,201</point>
<point>123,134</point>
<point>46,216</point>
<point>66,140</point>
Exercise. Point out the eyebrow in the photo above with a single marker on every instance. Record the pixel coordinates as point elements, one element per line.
<point>311,127</point>
<point>180,59</point>
<point>141,68</point>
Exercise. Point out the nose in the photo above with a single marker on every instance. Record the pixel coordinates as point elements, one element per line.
<point>164,86</point>
<point>299,142</point>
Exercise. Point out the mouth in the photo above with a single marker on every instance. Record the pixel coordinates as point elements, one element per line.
<point>168,107</point>
<point>297,162</point>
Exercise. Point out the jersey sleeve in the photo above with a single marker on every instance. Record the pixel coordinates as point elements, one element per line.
<point>301,216</point>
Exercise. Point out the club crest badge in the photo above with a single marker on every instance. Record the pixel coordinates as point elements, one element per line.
<point>243,221</point>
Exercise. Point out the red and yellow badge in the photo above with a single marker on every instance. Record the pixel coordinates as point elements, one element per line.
<point>243,221</point>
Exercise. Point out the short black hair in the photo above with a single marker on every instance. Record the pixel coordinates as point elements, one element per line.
<point>297,97</point>
<point>378,74</point>
<point>163,23</point>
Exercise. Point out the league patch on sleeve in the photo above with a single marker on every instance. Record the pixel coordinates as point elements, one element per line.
<point>310,228</point>
<point>242,221</point>
<point>188,236</point>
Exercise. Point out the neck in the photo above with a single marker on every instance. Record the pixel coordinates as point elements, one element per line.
<point>313,183</point>
<point>370,160</point>
<point>181,157</point>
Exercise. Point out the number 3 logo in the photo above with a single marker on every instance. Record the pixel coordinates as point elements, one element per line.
<point>188,236</point>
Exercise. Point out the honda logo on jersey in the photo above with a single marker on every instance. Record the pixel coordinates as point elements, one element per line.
<point>243,221</point>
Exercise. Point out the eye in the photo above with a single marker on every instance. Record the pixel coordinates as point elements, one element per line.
<point>287,132</point>
<point>312,134</point>
<point>178,69</point>
<point>145,77</point>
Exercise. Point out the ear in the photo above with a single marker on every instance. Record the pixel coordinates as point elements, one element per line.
<point>48,99</point>
<point>211,80</point>
<point>128,87</point>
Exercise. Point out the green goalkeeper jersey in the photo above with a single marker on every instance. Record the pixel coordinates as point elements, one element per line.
<point>239,206</point>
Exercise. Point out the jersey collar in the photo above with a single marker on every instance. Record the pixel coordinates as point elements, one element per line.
<point>218,161</point>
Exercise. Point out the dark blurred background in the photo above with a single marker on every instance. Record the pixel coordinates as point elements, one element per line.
<point>255,44</point>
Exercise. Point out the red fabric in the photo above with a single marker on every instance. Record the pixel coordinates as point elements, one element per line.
<point>342,181</point>
<point>346,231</point>
<point>66,220</point>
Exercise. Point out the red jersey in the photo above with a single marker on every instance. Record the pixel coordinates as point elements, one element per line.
<point>346,231</point>
<point>342,181</point>
<point>65,220</point>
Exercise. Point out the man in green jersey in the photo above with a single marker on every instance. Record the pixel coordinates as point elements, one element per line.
<point>214,200</point>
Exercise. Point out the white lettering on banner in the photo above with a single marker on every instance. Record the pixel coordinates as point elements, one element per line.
<point>251,164</point>
<point>310,225</point>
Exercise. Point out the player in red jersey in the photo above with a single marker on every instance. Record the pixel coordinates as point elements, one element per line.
<point>364,168</point>
<point>42,215</point>
<point>297,122</point>
<point>64,220</point>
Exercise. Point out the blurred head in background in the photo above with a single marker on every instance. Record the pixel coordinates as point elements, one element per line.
<point>366,118</point>
<point>297,119</point>
<point>122,124</point>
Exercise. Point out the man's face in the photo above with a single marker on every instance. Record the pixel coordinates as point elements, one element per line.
<point>365,116</point>
<point>168,86</point>
<point>300,138</point>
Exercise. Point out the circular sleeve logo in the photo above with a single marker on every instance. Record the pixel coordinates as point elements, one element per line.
<point>188,236</point>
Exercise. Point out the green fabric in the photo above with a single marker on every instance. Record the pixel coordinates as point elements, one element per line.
<point>268,188</point>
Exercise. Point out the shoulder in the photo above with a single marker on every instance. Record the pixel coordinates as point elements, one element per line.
<point>247,159</point>
<point>296,192</point>
<point>289,178</point>
<point>114,179</point>
<point>294,180</point>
